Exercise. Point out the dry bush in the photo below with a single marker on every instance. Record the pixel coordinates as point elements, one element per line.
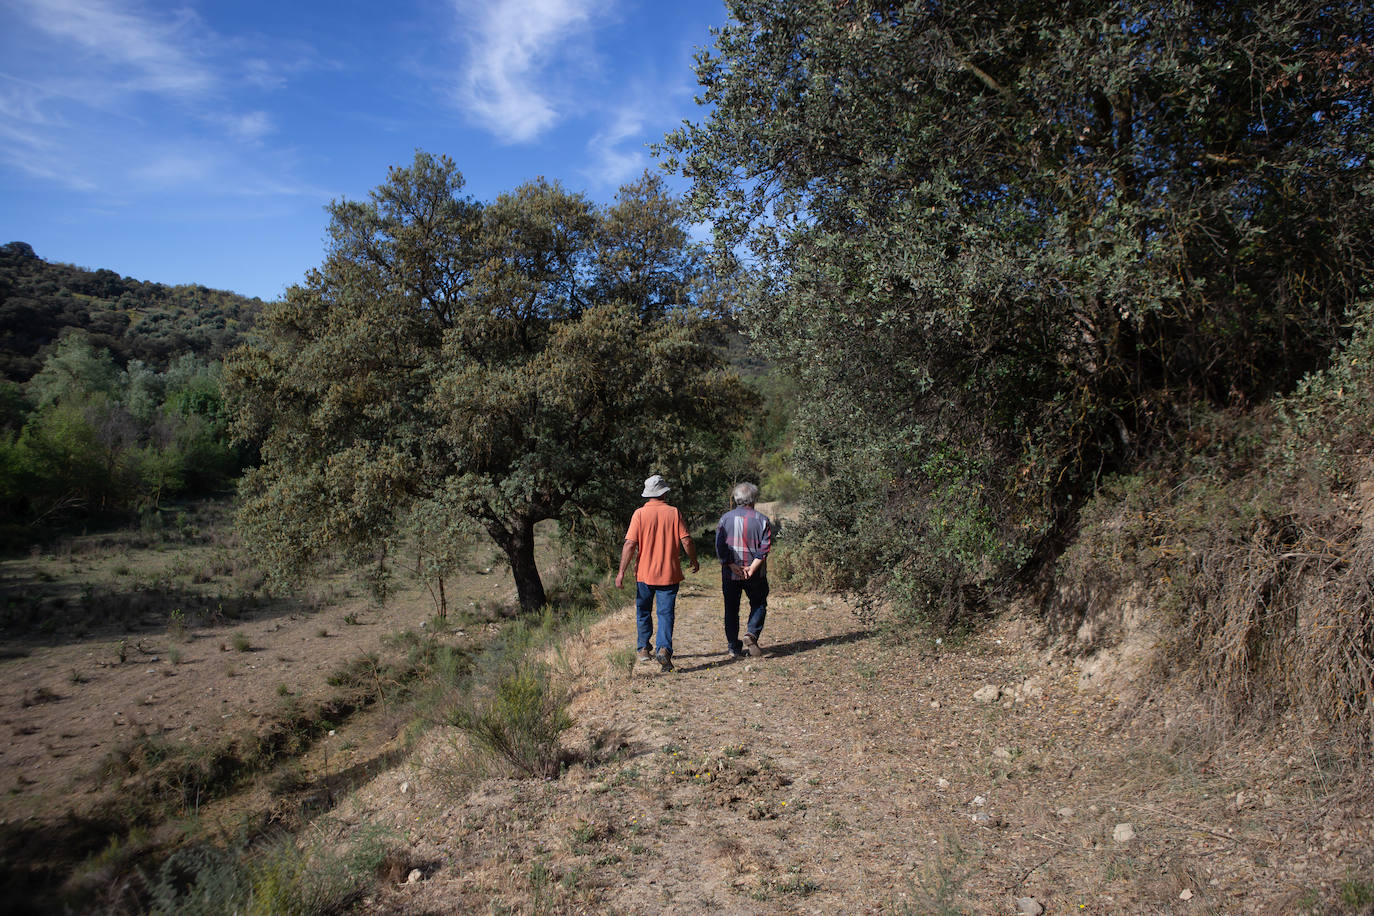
<point>1261,612</point>
<point>801,566</point>
<point>1253,546</point>
<point>1284,619</point>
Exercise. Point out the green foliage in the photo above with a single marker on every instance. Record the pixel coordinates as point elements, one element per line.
<point>766,445</point>
<point>88,440</point>
<point>109,396</point>
<point>75,371</point>
<point>1005,247</point>
<point>455,366</point>
<point>522,720</point>
<point>278,877</point>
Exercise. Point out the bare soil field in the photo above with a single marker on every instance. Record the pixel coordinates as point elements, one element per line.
<point>120,645</point>
<point>842,774</point>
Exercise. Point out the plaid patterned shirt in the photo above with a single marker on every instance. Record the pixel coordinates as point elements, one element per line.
<point>743,535</point>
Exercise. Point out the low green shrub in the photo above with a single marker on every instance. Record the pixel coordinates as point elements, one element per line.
<point>274,879</point>
<point>520,721</point>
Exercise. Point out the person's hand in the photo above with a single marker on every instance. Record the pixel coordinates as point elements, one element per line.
<point>696,566</point>
<point>619,580</point>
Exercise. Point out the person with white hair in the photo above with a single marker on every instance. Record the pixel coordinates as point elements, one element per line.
<point>743,539</point>
<point>656,534</point>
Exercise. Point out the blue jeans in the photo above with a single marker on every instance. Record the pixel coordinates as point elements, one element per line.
<point>646,596</point>
<point>756,588</point>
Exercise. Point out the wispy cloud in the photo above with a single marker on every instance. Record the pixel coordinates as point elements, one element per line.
<point>128,97</point>
<point>511,47</point>
<point>639,116</point>
<point>148,51</point>
<point>249,127</point>
<point>171,169</point>
<point>618,151</point>
<point>261,74</point>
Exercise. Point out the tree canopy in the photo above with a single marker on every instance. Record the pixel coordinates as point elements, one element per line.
<point>1009,243</point>
<point>85,440</point>
<point>499,363</point>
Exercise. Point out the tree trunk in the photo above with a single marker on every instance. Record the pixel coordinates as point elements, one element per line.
<point>517,540</point>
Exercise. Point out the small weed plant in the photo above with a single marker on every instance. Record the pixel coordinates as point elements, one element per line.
<point>176,624</point>
<point>622,661</point>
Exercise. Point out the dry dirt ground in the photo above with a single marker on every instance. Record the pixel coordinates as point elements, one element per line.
<point>840,774</point>
<point>170,644</point>
<point>843,774</point>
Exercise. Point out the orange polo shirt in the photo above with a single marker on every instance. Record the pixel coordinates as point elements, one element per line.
<point>658,530</point>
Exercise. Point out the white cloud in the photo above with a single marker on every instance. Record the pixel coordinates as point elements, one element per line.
<point>248,127</point>
<point>613,161</point>
<point>262,75</point>
<point>171,169</point>
<point>511,45</point>
<point>147,52</point>
<point>124,97</point>
<point>36,155</point>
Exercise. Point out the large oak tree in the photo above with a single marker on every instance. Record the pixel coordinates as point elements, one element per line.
<point>453,362</point>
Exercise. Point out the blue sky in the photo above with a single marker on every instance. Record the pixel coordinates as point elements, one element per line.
<point>199,141</point>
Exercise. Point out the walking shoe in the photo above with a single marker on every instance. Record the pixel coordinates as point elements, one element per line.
<point>665,659</point>
<point>751,645</point>
<point>645,655</point>
<point>736,654</point>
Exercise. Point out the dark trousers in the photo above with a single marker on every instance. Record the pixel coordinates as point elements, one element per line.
<point>756,588</point>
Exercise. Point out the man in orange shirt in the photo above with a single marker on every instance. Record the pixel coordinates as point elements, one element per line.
<point>656,533</point>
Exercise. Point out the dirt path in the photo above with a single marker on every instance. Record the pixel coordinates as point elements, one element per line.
<point>843,775</point>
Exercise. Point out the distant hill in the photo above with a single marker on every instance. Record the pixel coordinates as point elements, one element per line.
<point>133,319</point>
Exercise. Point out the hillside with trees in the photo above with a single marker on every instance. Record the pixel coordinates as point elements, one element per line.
<point>40,301</point>
<point>110,395</point>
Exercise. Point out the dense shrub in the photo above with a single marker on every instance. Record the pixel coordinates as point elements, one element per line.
<point>85,439</point>
<point>521,720</point>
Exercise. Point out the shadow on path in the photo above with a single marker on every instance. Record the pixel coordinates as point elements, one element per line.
<point>781,650</point>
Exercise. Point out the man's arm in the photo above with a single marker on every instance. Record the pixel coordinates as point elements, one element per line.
<point>690,546</point>
<point>760,551</point>
<point>627,555</point>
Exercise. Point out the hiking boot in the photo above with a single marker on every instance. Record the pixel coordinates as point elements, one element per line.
<point>665,659</point>
<point>736,654</point>
<point>645,655</point>
<point>751,645</point>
